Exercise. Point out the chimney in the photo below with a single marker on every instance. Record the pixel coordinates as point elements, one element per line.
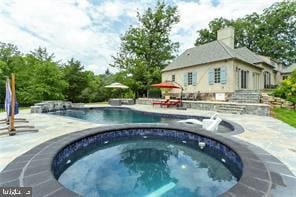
<point>226,35</point>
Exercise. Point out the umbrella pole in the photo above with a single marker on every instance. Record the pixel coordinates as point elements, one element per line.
<point>12,128</point>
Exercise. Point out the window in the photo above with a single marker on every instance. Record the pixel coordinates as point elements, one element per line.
<point>267,79</point>
<point>217,75</point>
<point>173,78</point>
<point>190,78</point>
<point>244,76</point>
<point>285,77</point>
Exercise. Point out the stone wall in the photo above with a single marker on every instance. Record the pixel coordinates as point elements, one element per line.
<point>276,101</point>
<point>49,106</point>
<point>250,108</point>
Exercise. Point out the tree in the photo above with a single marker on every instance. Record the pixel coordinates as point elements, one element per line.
<point>147,48</point>
<point>76,78</point>
<point>42,54</point>
<point>10,57</point>
<point>272,33</point>
<point>39,77</point>
<point>38,80</point>
<point>287,88</point>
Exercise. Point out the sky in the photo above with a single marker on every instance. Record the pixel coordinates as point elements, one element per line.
<point>90,30</point>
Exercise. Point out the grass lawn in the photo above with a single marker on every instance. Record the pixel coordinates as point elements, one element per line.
<point>20,108</point>
<point>286,115</point>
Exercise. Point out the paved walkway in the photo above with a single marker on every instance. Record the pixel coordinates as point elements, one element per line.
<point>49,126</point>
<point>270,134</point>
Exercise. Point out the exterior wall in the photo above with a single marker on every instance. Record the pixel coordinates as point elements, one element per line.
<point>252,70</point>
<point>255,79</point>
<point>269,69</point>
<point>203,85</point>
<point>278,77</point>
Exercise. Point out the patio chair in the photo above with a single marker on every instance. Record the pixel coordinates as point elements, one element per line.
<point>171,103</point>
<point>198,122</point>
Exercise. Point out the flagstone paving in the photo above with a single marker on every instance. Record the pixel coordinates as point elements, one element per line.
<point>268,133</point>
<point>49,126</point>
<point>272,135</point>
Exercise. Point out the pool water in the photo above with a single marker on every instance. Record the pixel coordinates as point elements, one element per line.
<point>113,116</point>
<point>147,166</point>
<point>121,116</point>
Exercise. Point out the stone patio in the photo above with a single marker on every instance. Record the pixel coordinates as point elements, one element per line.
<point>271,135</point>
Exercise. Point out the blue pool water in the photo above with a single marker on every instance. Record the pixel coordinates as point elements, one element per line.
<point>113,116</point>
<point>120,116</point>
<point>147,166</point>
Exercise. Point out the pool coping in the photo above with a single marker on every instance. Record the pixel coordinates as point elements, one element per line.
<point>236,128</point>
<point>33,169</point>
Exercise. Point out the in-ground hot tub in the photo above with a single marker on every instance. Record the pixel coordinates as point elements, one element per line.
<point>147,162</point>
<point>238,169</point>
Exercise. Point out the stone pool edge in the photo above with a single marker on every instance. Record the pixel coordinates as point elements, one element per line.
<point>235,127</point>
<point>34,167</point>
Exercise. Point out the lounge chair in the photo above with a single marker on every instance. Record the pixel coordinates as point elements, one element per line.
<point>171,103</point>
<point>160,102</point>
<point>211,125</point>
<point>198,122</point>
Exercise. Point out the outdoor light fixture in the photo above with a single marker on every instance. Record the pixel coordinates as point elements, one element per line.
<point>201,145</point>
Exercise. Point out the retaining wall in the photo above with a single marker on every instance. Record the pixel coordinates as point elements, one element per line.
<point>249,108</point>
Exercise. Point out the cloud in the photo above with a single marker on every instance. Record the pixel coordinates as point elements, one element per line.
<point>90,30</point>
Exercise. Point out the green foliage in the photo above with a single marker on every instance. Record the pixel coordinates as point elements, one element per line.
<point>146,49</point>
<point>39,77</point>
<point>77,80</point>
<point>271,33</point>
<point>287,89</point>
<point>38,80</point>
<point>155,93</point>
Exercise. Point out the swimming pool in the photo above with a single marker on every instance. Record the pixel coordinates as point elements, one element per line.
<point>118,115</point>
<point>147,162</point>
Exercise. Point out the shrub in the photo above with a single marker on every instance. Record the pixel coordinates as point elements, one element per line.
<point>287,89</point>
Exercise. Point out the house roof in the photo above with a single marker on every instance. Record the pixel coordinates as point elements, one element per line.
<point>289,69</point>
<point>212,52</point>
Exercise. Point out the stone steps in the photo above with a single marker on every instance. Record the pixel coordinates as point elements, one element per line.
<point>244,101</point>
<point>233,109</point>
<point>246,96</point>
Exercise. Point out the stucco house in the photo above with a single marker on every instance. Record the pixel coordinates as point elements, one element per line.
<point>216,70</point>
